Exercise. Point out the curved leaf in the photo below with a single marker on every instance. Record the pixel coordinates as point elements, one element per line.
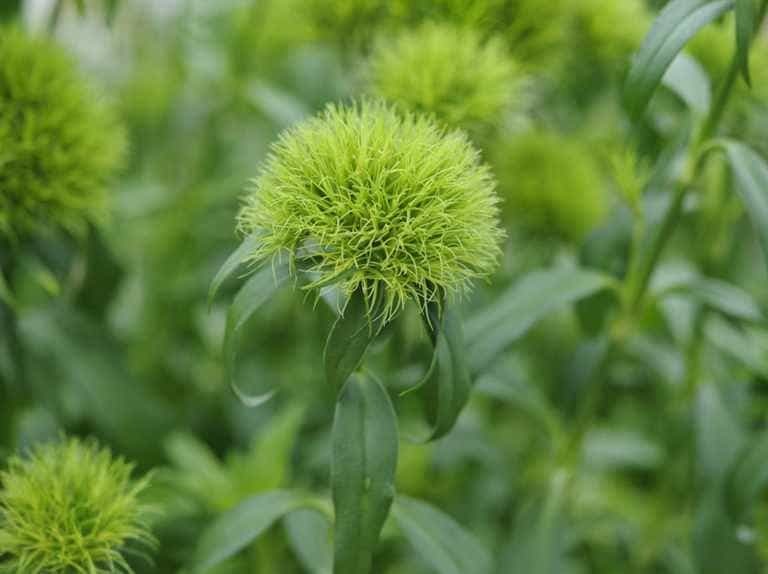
<point>236,529</point>
<point>309,534</point>
<point>690,82</point>
<point>511,315</point>
<point>348,340</point>
<point>256,291</point>
<point>448,381</point>
<point>439,540</point>
<point>747,477</point>
<point>677,23</point>
<point>751,174</point>
<point>233,262</point>
<point>365,447</point>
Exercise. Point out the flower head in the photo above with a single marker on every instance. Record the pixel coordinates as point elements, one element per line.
<point>447,71</point>
<point>69,507</point>
<point>58,143</point>
<point>550,183</point>
<point>386,203</point>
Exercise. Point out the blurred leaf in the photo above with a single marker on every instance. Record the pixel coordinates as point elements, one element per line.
<point>257,291</point>
<point>677,23</point>
<point>352,333</point>
<point>232,264</point>
<point>439,540</point>
<point>365,447</point>
<point>686,78</point>
<point>719,435</point>
<point>748,478</point>
<point>746,22</point>
<point>751,174</point>
<point>309,533</point>
<point>197,460</point>
<point>448,382</point>
<point>729,299</point>
<point>507,319</point>
<point>738,344</point>
<point>616,449</point>
<point>236,529</point>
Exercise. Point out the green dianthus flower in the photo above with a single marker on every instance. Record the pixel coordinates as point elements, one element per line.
<point>386,203</point>
<point>69,508</point>
<point>447,71</point>
<point>58,143</point>
<point>551,184</point>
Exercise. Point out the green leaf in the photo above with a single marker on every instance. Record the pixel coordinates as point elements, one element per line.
<point>728,299</point>
<point>448,382</point>
<point>256,291</point>
<point>747,478</point>
<point>365,448</point>
<point>513,313</point>
<point>348,340</point>
<point>236,529</point>
<point>737,343</point>
<point>232,264</point>
<point>309,534</point>
<point>440,540</point>
<point>690,82</point>
<point>677,23</point>
<point>745,28</point>
<point>751,174</point>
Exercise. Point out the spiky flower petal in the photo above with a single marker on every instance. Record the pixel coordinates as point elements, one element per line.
<point>386,203</point>
<point>447,71</point>
<point>69,508</point>
<point>58,143</point>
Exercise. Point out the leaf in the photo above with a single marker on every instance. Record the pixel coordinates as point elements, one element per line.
<point>537,294</point>
<point>233,262</point>
<point>309,534</point>
<point>689,81</point>
<point>738,344</point>
<point>448,382</point>
<point>677,23</point>
<point>719,435</point>
<point>745,28</point>
<point>747,478</point>
<point>365,449</point>
<point>239,527</point>
<point>751,174</point>
<point>348,340</point>
<point>729,299</point>
<point>256,291</point>
<point>440,540</point>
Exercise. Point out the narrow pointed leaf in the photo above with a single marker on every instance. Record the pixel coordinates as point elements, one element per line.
<point>745,28</point>
<point>365,447</point>
<point>232,264</point>
<point>526,302</point>
<point>690,82</point>
<point>750,172</point>
<point>348,340</point>
<point>236,529</point>
<point>748,478</point>
<point>256,291</point>
<point>439,539</point>
<point>677,23</point>
<point>448,383</point>
<point>309,534</point>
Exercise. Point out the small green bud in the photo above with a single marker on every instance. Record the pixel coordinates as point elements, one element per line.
<point>447,71</point>
<point>59,144</point>
<point>551,184</point>
<point>386,203</point>
<point>69,507</point>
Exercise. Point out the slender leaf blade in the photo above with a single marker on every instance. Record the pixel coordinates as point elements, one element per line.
<point>440,540</point>
<point>256,291</point>
<point>677,23</point>
<point>365,450</point>
<point>747,478</point>
<point>232,264</point>
<point>745,27</point>
<point>236,529</point>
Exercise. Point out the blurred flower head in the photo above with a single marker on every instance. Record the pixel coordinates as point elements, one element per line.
<point>69,507</point>
<point>448,71</point>
<point>551,184</point>
<point>59,144</point>
<point>611,30</point>
<point>386,203</point>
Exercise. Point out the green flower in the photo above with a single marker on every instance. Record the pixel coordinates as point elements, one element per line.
<point>69,508</point>
<point>611,30</point>
<point>58,143</point>
<point>447,71</point>
<point>551,184</point>
<point>388,204</point>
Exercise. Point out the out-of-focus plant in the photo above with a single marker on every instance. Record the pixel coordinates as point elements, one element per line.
<point>71,507</point>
